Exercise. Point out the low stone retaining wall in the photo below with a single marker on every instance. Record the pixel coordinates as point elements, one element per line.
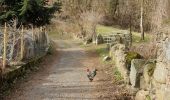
<point>117,52</point>
<point>161,77</point>
<point>151,78</point>
<point>123,37</point>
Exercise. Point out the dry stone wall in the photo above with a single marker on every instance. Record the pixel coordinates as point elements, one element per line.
<point>151,78</point>
<point>123,37</point>
<point>161,82</point>
<point>117,52</point>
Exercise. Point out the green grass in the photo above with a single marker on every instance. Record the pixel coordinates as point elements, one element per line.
<point>101,50</point>
<point>117,74</point>
<point>104,30</point>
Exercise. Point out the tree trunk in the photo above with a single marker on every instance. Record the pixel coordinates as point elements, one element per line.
<point>5,48</point>
<point>141,22</point>
<point>131,39</point>
<point>22,43</point>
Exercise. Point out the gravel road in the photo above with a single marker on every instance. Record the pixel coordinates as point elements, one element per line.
<point>62,78</point>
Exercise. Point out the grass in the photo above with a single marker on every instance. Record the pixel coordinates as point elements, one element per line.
<point>55,34</point>
<point>117,74</point>
<point>104,30</point>
<point>102,51</point>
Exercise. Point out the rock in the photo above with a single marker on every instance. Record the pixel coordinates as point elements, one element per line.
<point>99,39</point>
<point>137,66</point>
<point>167,94</point>
<point>160,73</point>
<point>141,95</point>
<point>148,71</point>
<point>130,56</point>
<point>88,41</point>
<point>159,95</point>
<point>107,58</point>
<point>122,37</point>
<point>143,84</point>
<point>163,93</point>
<point>118,55</point>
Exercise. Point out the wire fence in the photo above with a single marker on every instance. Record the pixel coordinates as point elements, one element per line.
<point>22,44</point>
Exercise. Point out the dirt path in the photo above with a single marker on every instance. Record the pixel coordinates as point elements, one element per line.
<point>63,77</point>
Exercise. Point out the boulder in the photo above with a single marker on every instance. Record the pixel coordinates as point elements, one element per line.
<point>163,93</point>
<point>106,58</point>
<point>148,71</point>
<point>142,95</point>
<point>130,56</point>
<point>160,73</point>
<point>99,39</point>
<point>136,70</point>
<point>143,84</point>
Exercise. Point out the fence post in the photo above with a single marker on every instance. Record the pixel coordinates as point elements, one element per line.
<point>5,47</point>
<point>22,43</point>
<point>33,37</point>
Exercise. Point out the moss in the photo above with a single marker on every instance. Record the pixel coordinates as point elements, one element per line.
<point>148,97</point>
<point>130,56</point>
<point>151,68</point>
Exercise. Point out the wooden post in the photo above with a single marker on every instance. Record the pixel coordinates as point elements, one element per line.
<point>5,47</point>
<point>22,43</point>
<point>33,32</point>
<point>14,38</point>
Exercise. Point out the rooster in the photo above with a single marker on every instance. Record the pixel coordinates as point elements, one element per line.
<point>91,74</point>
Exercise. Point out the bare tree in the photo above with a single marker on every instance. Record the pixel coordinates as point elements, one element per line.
<point>5,48</point>
<point>88,22</point>
<point>141,20</point>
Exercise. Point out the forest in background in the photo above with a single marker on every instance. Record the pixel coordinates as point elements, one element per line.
<point>82,16</point>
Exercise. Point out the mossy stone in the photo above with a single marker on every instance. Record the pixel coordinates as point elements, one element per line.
<point>151,68</point>
<point>130,56</point>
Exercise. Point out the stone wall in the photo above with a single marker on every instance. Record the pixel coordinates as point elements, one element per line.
<point>117,52</point>
<point>149,79</point>
<point>122,37</point>
<point>161,81</point>
<point>157,85</point>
